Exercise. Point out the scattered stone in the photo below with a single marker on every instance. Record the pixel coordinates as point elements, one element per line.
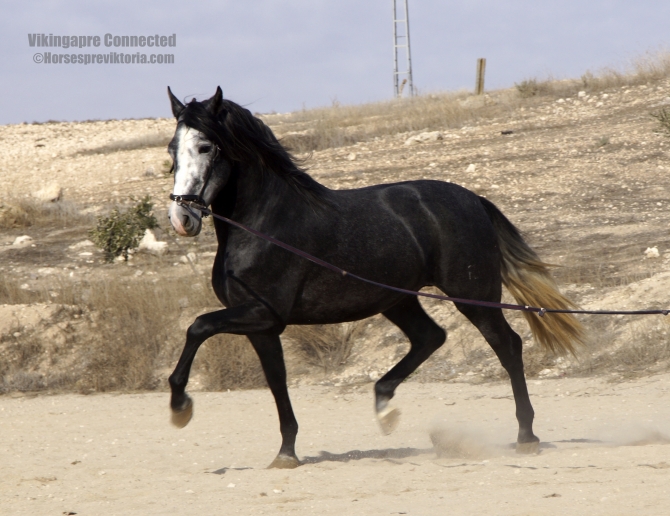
<point>471,168</point>
<point>581,94</point>
<point>150,172</point>
<point>150,245</point>
<point>190,257</point>
<point>351,156</point>
<point>83,243</point>
<point>50,193</point>
<point>432,136</point>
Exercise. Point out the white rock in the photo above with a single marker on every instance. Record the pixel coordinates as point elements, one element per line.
<point>651,252</point>
<point>23,240</point>
<point>50,193</point>
<point>581,94</point>
<point>431,136</point>
<point>150,245</point>
<point>471,168</point>
<point>83,243</point>
<point>351,156</point>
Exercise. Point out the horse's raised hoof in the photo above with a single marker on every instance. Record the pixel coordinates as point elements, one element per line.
<point>388,420</point>
<point>285,462</point>
<point>531,448</point>
<point>181,417</point>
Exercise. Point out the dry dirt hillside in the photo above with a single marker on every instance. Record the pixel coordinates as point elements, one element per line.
<point>581,167</point>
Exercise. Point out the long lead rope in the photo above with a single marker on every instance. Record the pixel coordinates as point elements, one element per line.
<point>191,202</point>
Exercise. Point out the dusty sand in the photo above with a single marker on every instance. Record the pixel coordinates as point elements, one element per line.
<point>603,452</point>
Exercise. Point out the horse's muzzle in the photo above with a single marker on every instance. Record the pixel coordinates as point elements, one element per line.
<point>184,221</point>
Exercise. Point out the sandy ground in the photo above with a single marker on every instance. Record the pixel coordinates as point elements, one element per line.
<point>603,452</point>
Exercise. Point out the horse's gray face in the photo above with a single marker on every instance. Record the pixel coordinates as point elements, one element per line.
<point>193,155</point>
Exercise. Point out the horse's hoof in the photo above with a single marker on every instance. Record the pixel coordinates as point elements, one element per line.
<point>388,420</point>
<point>285,462</point>
<point>181,417</point>
<point>531,448</point>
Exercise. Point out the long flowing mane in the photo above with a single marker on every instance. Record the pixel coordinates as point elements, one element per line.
<point>244,138</point>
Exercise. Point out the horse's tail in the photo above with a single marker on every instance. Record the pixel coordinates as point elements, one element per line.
<point>529,281</point>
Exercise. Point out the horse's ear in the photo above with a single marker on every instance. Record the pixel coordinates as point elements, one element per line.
<point>177,106</point>
<point>213,105</point>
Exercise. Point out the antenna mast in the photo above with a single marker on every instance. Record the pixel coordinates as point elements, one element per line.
<point>400,41</point>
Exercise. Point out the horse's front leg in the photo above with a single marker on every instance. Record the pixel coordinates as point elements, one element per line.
<point>271,356</point>
<point>247,318</point>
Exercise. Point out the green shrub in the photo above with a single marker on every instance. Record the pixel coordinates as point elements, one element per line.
<point>120,232</point>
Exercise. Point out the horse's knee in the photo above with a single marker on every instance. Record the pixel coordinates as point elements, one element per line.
<point>200,330</point>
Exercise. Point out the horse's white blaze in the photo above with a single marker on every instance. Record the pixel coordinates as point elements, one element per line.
<point>190,170</point>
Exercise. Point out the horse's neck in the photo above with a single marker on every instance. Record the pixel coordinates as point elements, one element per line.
<point>251,196</point>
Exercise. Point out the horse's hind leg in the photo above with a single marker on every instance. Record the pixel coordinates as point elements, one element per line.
<point>269,350</point>
<point>425,337</point>
<point>507,346</point>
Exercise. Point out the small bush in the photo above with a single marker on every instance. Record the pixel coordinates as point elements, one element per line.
<point>120,232</point>
<point>528,88</point>
<point>663,117</point>
<point>602,141</point>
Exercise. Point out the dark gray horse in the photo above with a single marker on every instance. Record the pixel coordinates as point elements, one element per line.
<point>410,235</point>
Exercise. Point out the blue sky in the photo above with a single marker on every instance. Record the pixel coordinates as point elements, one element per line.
<point>286,55</point>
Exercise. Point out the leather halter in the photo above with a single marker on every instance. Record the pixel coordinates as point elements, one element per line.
<point>197,201</point>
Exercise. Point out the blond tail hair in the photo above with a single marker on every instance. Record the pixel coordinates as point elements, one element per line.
<point>528,279</point>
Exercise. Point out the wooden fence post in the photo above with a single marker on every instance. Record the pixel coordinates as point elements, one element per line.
<point>481,70</point>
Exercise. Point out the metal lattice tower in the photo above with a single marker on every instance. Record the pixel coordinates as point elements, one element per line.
<point>401,41</point>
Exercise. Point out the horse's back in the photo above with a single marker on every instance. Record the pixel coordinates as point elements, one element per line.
<point>408,235</point>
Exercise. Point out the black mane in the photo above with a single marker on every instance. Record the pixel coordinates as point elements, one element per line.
<point>246,139</point>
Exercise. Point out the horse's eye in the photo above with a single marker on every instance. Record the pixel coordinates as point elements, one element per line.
<point>205,149</point>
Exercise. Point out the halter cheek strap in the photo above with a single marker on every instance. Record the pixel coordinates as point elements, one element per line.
<point>197,201</point>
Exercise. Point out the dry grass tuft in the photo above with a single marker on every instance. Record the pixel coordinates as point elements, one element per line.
<point>230,362</point>
<point>646,349</point>
<point>337,126</point>
<point>650,67</point>
<point>146,141</point>
<point>327,346</point>
<point>129,330</point>
<point>27,212</point>
<point>663,117</point>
